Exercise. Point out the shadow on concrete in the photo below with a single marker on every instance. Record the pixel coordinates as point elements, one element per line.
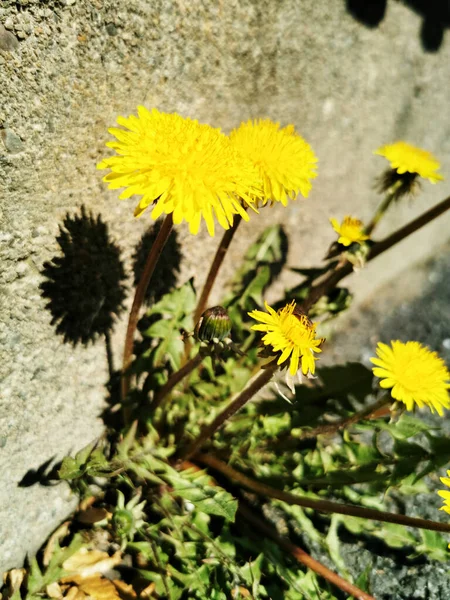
<point>435,16</point>
<point>84,282</point>
<point>168,268</point>
<point>46,475</point>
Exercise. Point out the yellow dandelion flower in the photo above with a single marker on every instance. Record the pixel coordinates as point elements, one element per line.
<point>405,158</point>
<point>445,494</point>
<point>415,374</point>
<point>180,167</point>
<point>286,163</point>
<point>291,335</point>
<point>351,231</point>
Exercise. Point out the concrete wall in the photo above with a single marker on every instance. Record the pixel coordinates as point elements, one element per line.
<point>69,67</point>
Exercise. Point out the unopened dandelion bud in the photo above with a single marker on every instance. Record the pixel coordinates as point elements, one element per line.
<point>214,325</point>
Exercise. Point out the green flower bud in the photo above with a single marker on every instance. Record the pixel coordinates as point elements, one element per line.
<point>214,325</point>
<point>123,522</point>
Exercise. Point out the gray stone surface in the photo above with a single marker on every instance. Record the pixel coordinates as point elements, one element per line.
<point>65,74</point>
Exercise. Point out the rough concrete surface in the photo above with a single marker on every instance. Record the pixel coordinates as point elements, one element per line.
<point>69,67</point>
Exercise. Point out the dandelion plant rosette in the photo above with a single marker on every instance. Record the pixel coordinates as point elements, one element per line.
<point>180,167</point>
<point>414,374</point>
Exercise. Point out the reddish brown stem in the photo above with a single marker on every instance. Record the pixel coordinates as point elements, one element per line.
<point>174,379</point>
<point>331,280</point>
<point>320,505</point>
<point>209,430</point>
<point>330,428</point>
<point>141,289</point>
<point>215,266</point>
<point>301,556</point>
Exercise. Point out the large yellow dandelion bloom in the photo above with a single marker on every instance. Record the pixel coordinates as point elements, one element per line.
<point>405,158</point>
<point>286,163</point>
<point>291,335</point>
<point>351,231</point>
<point>445,494</point>
<point>415,374</point>
<point>180,167</point>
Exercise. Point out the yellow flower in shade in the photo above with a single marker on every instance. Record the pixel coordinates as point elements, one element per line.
<point>180,167</point>
<point>291,335</point>
<point>285,161</point>
<point>415,374</point>
<point>405,158</point>
<point>351,231</point>
<point>445,494</point>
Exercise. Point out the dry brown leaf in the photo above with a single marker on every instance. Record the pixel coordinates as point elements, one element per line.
<point>54,590</point>
<point>148,591</point>
<point>99,588</point>
<point>57,535</point>
<point>90,562</point>
<point>126,591</point>
<point>93,515</point>
<point>75,594</point>
<point>13,579</point>
<point>241,592</point>
<point>86,503</point>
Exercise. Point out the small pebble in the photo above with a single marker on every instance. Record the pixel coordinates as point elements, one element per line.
<point>8,40</point>
<point>12,142</point>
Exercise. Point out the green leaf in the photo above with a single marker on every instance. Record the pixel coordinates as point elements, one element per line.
<point>175,310</point>
<point>433,545</point>
<point>69,469</point>
<point>407,426</point>
<point>276,424</point>
<point>82,456</point>
<point>197,489</point>
<point>251,572</point>
<point>363,580</point>
<point>262,263</point>
<point>125,445</point>
<point>333,544</point>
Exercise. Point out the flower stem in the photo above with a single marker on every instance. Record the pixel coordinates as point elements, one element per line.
<point>330,428</point>
<point>141,289</point>
<point>381,209</point>
<point>215,266</point>
<point>209,430</point>
<point>325,506</point>
<point>302,556</point>
<point>175,378</point>
<point>331,280</point>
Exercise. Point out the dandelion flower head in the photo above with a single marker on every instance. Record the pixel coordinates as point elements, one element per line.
<point>415,374</point>
<point>405,158</point>
<point>180,167</point>
<point>351,231</point>
<point>286,163</point>
<point>291,336</point>
<point>445,494</point>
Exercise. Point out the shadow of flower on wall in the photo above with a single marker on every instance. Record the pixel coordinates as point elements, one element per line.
<point>46,474</point>
<point>435,17</point>
<point>84,284</point>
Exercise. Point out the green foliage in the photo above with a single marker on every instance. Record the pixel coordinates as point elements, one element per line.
<point>197,489</point>
<point>39,579</point>
<point>179,526</point>
<point>174,316</point>
<point>262,263</point>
